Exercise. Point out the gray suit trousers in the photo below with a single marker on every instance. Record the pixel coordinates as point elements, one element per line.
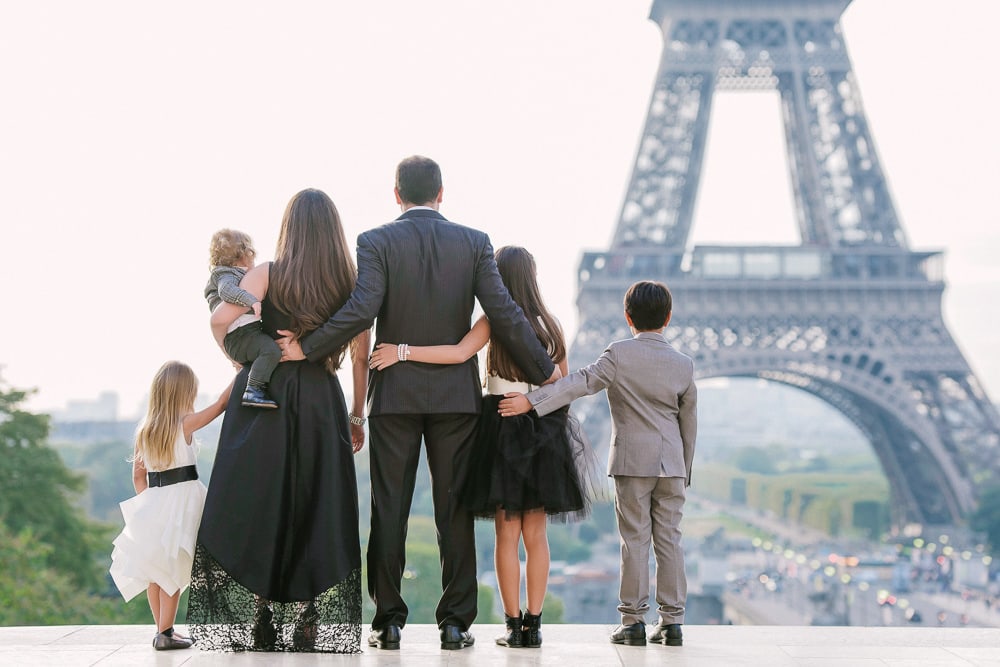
<point>649,510</point>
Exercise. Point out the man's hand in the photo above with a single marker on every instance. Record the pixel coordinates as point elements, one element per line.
<point>556,374</point>
<point>514,403</point>
<point>256,308</point>
<point>290,348</point>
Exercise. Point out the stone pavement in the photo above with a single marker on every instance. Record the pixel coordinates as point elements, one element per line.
<point>565,645</point>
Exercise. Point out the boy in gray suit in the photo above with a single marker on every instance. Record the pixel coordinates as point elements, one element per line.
<point>653,401</point>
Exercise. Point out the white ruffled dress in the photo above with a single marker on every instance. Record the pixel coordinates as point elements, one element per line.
<point>161,527</point>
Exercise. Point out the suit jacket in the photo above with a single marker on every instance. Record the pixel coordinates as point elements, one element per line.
<point>420,276</point>
<point>653,401</point>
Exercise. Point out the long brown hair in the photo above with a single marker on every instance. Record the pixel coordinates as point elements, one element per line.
<point>517,269</point>
<point>313,271</point>
<point>171,396</point>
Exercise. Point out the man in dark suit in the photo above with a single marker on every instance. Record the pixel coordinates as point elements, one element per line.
<point>418,278</point>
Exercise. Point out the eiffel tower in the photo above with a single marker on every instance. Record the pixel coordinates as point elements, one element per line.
<point>852,315</point>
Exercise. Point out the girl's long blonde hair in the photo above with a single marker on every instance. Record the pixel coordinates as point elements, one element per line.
<point>171,396</point>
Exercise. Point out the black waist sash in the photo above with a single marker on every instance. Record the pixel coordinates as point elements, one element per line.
<point>172,476</point>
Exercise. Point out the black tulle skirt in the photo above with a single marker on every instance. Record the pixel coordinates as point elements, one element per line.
<point>528,463</point>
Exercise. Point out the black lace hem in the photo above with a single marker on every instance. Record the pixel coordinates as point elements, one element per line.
<point>224,616</point>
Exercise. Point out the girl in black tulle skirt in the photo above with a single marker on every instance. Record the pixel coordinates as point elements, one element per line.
<point>523,469</point>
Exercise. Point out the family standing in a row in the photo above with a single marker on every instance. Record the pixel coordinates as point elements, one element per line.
<point>271,549</point>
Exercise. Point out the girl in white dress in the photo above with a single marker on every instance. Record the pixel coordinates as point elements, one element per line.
<point>155,550</point>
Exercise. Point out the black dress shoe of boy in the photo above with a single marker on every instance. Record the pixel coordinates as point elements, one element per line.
<point>254,397</point>
<point>454,638</point>
<point>669,635</point>
<point>630,635</point>
<point>166,643</point>
<point>385,638</point>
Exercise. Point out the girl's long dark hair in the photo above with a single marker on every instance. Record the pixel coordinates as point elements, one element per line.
<point>313,271</point>
<point>517,269</point>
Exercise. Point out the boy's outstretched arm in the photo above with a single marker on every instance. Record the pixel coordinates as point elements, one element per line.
<point>583,382</point>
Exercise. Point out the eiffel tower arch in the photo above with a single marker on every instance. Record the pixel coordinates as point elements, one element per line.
<point>852,315</point>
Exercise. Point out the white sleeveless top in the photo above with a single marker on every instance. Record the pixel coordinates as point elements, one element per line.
<point>184,454</point>
<point>499,386</point>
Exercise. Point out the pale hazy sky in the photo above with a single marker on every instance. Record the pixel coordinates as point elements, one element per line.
<point>130,131</point>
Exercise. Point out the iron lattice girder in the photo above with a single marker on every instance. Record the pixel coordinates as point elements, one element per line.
<point>841,195</point>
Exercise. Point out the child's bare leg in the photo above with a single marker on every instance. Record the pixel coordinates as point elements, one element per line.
<point>536,547</point>
<point>506,562</point>
<point>153,595</point>
<point>168,610</point>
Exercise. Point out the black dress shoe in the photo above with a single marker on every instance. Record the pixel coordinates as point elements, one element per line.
<point>630,635</point>
<point>454,638</point>
<point>385,638</point>
<point>669,635</point>
<point>255,397</point>
<point>164,642</point>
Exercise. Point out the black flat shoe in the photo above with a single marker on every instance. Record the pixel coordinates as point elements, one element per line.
<point>454,638</point>
<point>630,635</point>
<point>386,638</point>
<point>164,643</point>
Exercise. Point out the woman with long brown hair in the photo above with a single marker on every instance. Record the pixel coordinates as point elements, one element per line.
<point>278,561</point>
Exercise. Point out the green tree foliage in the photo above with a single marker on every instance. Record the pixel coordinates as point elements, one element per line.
<point>33,593</point>
<point>986,518</point>
<point>37,493</point>
<point>553,609</point>
<point>53,559</point>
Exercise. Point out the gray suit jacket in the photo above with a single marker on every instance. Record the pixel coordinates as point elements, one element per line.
<point>653,401</point>
<point>419,278</point>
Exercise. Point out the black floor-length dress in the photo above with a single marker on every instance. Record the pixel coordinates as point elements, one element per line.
<point>278,560</point>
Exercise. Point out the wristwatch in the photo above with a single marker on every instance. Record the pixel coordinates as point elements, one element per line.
<point>357,421</point>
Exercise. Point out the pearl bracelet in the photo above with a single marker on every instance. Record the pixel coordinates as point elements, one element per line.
<point>402,352</point>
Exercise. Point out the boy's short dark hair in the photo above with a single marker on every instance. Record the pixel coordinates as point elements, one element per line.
<point>648,303</point>
<point>418,180</point>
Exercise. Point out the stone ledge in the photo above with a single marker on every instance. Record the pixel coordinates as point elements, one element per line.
<point>705,646</point>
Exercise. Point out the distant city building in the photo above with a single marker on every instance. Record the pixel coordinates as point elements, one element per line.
<point>103,409</point>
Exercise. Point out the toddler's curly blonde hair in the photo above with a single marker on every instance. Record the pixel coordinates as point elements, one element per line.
<point>228,246</point>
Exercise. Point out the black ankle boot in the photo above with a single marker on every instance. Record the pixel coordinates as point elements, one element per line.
<point>512,639</point>
<point>531,630</point>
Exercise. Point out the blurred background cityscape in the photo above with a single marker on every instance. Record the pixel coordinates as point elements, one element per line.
<point>788,522</point>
